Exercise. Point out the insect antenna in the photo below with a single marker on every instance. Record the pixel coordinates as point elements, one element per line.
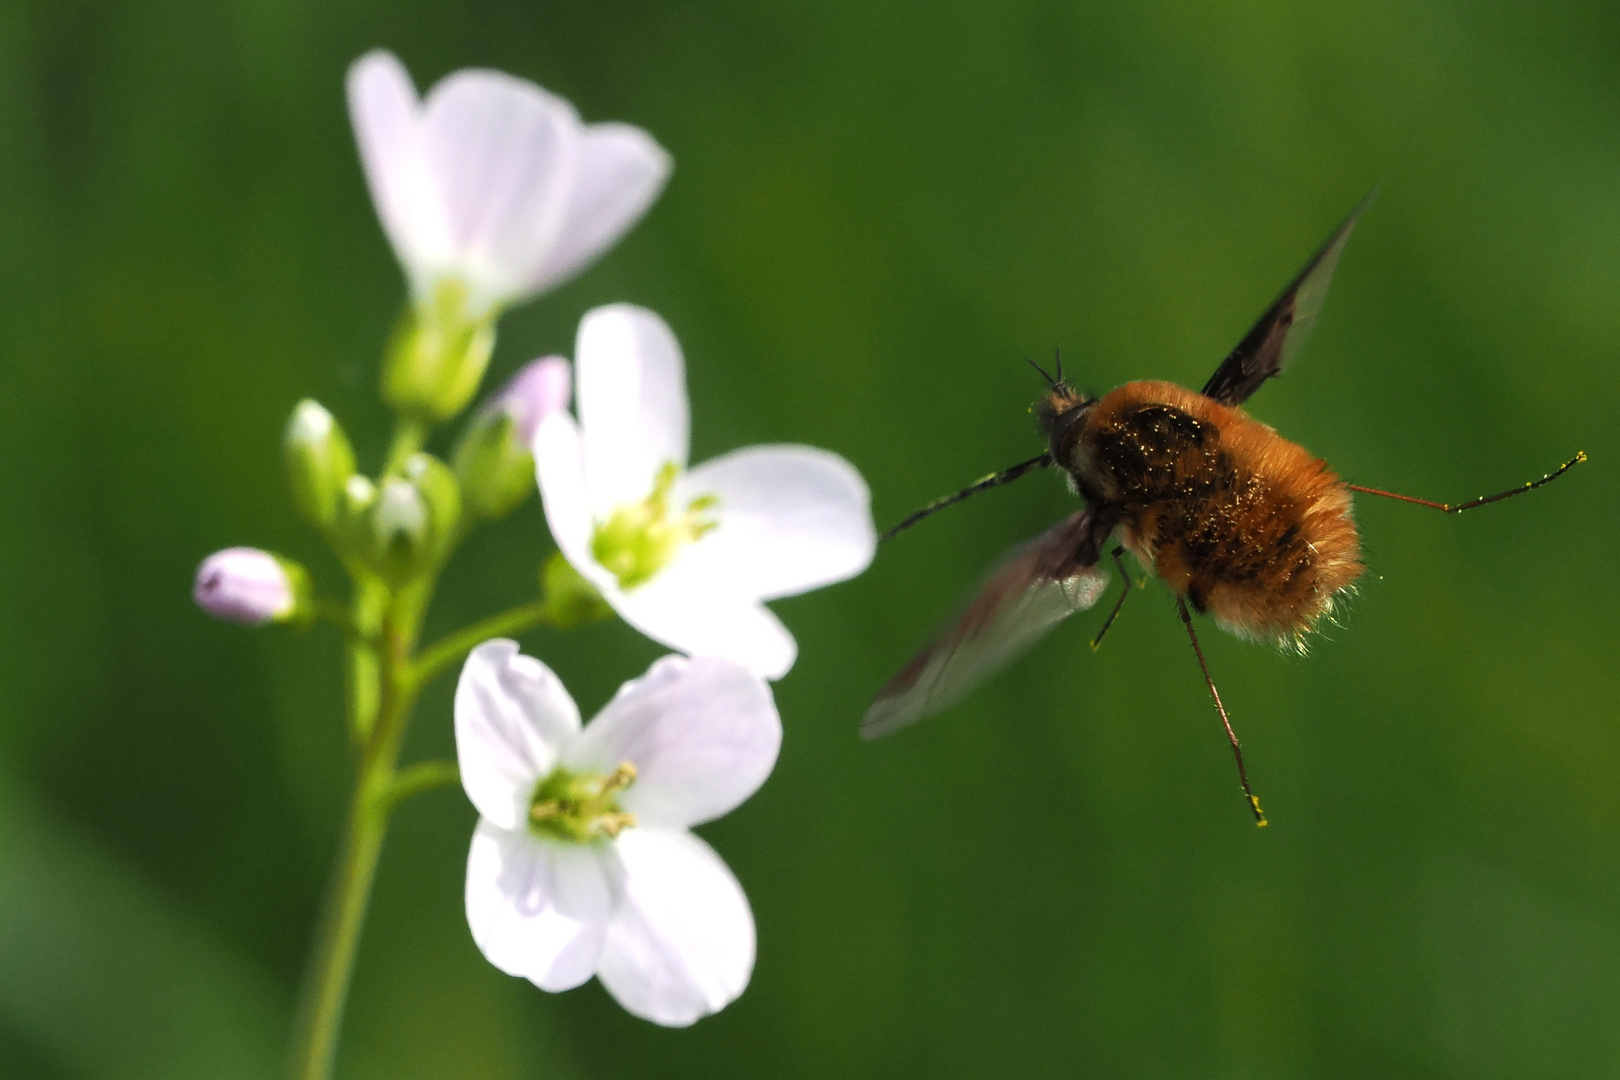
<point>1057,360</point>
<point>1053,383</point>
<point>1457,508</point>
<point>1237,751</point>
<point>1005,476</point>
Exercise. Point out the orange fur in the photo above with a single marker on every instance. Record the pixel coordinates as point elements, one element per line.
<point>1247,525</point>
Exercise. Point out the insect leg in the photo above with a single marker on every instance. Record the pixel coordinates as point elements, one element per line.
<point>1457,508</point>
<point>1005,476</point>
<point>1237,752</point>
<point>1126,583</point>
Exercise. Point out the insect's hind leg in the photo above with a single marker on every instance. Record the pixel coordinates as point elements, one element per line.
<point>1127,582</point>
<point>1457,508</point>
<point>1226,722</point>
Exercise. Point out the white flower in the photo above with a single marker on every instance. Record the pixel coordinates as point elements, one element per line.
<point>582,863</point>
<point>492,183</point>
<point>688,557</point>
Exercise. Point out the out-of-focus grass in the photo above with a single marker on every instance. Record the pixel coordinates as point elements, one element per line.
<point>877,212</point>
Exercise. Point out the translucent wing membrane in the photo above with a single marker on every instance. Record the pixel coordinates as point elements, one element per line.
<point>1279,335</point>
<point>1043,583</point>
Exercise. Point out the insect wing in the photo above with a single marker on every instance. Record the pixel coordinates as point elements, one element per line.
<point>1043,583</point>
<point>1279,335</point>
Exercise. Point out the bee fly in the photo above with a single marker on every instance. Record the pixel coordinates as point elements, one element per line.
<point>1239,522</point>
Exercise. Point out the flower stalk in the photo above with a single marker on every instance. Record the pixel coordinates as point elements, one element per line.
<point>384,675</point>
<point>326,989</point>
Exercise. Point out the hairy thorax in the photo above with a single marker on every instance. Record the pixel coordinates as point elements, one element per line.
<point>1247,525</point>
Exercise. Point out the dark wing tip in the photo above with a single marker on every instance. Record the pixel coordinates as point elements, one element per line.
<point>1278,334</point>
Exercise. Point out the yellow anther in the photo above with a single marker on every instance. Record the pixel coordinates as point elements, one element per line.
<point>619,778</point>
<point>639,539</point>
<point>613,824</point>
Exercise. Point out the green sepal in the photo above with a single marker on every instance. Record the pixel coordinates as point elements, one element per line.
<point>570,599</point>
<point>319,462</point>
<point>302,587</point>
<point>437,355</point>
<point>441,493</point>
<point>351,531</point>
<point>495,469</point>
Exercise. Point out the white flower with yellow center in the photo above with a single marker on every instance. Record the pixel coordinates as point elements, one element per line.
<point>583,863</point>
<point>688,557</point>
<point>491,187</point>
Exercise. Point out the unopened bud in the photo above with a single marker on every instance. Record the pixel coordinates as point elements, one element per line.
<point>319,462</point>
<point>440,493</point>
<point>493,460</point>
<point>399,520</point>
<point>405,526</point>
<point>540,388</point>
<point>438,355</point>
<point>246,585</point>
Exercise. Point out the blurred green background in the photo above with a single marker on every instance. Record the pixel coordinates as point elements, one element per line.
<point>878,211</point>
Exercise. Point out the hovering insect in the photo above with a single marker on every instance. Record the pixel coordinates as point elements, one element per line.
<point>1239,522</point>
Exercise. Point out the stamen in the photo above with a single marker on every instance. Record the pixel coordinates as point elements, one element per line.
<point>581,808</point>
<point>613,824</point>
<point>619,778</point>
<point>639,539</point>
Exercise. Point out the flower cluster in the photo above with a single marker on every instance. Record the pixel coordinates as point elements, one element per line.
<point>491,191</point>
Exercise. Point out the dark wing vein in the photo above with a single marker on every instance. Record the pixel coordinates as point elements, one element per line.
<point>1040,585</point>
<point>1277,338</point>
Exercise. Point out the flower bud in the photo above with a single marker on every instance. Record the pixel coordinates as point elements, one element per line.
<point>438,355</point>
<point>319,462</point>
<point>493,461</point>
<point>409,523</point>
<point>540,388</point>
<point>440,493</point>
<point>246,585</point>
<point>351,533</point>
<point>399,530</point>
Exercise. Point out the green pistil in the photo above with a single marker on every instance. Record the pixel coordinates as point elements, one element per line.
<point>579,809</point>
<point>640,539</point>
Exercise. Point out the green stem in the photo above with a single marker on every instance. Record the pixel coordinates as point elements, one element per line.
<point>447,650</point>
<point>409,435</point>
<point>362,667</point>
<point>320,1013</point>
<point>423,776</point>
<point>335,613</point>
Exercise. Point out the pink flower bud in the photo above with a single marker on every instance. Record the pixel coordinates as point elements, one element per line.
<point>540,387</point>
<point>246,585</point>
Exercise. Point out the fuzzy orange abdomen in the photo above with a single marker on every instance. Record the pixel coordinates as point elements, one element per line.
<point>1247,525</point>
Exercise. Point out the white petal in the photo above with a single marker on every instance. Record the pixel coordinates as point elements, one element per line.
<point>559,467</point>
<point>681,944</point>
<point>702,733</point>
<point>791,519</point>
<point>621,171</point>
<point>631,400</point>
<point>513,721</point>
<point>687,607</point>
<point>503,154</point>
<point>383,111</point>
<point>538,909</point>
